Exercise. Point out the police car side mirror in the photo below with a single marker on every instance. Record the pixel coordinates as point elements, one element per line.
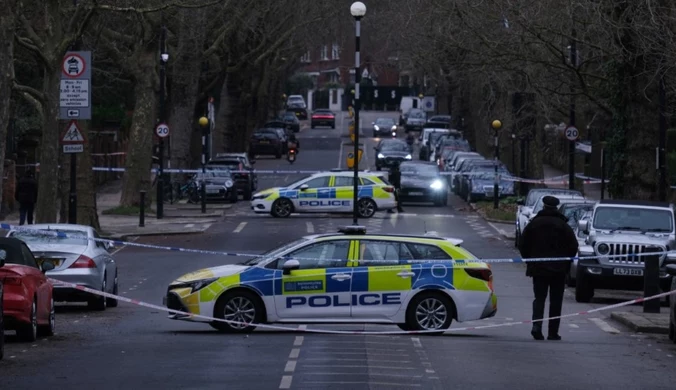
<point>304,187</point>
<point>289,266</point>
<point>583,226</point>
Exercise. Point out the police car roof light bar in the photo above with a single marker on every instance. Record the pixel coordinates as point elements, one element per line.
<point>352,229</point>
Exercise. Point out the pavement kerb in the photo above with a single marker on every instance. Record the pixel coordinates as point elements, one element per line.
<point>475,209</point>
<point>638,324</point>
<point>127,236</point>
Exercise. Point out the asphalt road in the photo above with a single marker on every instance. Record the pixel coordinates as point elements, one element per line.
<point>134,347</point>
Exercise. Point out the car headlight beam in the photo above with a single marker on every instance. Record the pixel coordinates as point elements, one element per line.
<point>603,249</point>
<point>229,183</point>
<point>380,155</point>
<point>437,185</point>
<point>376,128</point>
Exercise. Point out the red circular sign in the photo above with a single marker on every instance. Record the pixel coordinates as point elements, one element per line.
<point>73,66</point>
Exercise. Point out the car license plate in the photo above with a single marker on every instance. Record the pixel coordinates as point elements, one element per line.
<point>56,262</point>
<point>416,193</point>
<point>628,271</point>
<point>212,190</point>
<point>265,142</point>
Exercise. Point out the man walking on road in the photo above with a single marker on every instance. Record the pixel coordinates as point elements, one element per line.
<point>548,235</point>
<point>26,194</point>
<point>395,180</point>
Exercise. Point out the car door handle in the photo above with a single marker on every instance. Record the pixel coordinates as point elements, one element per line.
<point>406,274</point>
<point>341,277</point>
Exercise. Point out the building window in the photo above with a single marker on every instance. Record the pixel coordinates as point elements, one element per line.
<point>335,52</point>
<point>324,54</point>
<point>306,57</point>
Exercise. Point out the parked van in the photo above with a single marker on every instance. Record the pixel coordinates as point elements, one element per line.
<point>407,102</point>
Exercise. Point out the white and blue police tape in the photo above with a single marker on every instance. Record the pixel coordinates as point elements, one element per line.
<point>53,233</point>
<point>349,332</point>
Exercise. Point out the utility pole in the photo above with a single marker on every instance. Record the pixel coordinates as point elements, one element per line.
<point>164,57</point>
<point>571,121</point>
<point>662,148</point>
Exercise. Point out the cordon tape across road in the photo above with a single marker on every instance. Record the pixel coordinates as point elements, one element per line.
<point>53,233</point>
<point>348,332</point>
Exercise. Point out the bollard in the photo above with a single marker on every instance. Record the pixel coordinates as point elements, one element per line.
<point>142,210</point>
<point>651,283</point>
<point>203,196</point>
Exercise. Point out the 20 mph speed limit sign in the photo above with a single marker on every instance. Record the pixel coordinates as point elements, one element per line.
<point>572,133</point>
<point>162,130</point>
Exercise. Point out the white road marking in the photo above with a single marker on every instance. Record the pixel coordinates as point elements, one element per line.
<point>290,366</point>
<point>604,326</point>
<point>393,219</point>
<point>189,225</point>
<point>340,155</point>
<point>416,342</point>
<point>362,383</point>
<point>310,228</point>
<point>240,227</point>
<point>286,382</point>
<point>298,341</point>
<point>574,325</point>
<point>294,353</point>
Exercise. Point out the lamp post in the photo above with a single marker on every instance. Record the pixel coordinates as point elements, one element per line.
<point>496,125</point>
<point>358,10</point>
<point>204,124</point>
<point>164,57</point>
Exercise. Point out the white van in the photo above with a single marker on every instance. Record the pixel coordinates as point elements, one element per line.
<point>296,99</point>
<point>405,105</point>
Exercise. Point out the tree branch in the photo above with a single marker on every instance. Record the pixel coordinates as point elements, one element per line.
<point>148,10</point>
<point>34,93</point>
<point>82,23</point>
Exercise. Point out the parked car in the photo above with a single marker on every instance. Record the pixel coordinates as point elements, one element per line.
<point>671,270</point>
<point>219,184</point>
<point>323,117</point>
<point>480,186</point>
<point>456,164</point>
<point>576,210</point>
<point>415,119</point>
<point>525,206</point>
<point>296,100</point>
<point>76,259</point>
<point>385,126</point>
<point>298,109</point>
<point>422,182</point>
<point>427,139</point>
<point>440,118</point>
<point>473,167</point>
<point>242,169</point>
<point>266,142</point>
<point>27,300</point>
<point>391,152</point>
<point>291,120</point>
<point>452,139</point>
<point>621,227</point>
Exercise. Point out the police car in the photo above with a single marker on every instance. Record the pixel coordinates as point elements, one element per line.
<point>327,192</point>
<point>415,282</point>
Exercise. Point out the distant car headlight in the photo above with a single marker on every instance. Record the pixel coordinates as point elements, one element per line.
<point>437,185</point>
<point>408,157</point>
<point>394,128</point>
<point>229,183</point>
<point>376,128</point>
<point>380,155</point>
<point>603,249</point>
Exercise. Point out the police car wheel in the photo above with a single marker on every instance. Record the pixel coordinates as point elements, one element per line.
<point>242,308</point>
<point>282,208</point>
<point>367,208</point>
<point>430,311</point>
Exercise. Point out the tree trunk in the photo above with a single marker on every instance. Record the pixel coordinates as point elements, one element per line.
<point>139,153</point>
<point>64,187</point>
<point>86,188</point>
<point>233,124</point>
<point>45,209</point>
<point>185,76</point>
<point>218,138</point>
<point>6,74</point>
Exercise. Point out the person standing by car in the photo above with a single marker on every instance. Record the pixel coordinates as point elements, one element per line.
<point>26,194</point>
<point>395,180</point>
<point>548,235</point>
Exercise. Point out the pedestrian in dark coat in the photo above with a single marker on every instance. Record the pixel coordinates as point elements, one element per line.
<point>548,235</point>
<point>395,180</point>
<point>26,194</point>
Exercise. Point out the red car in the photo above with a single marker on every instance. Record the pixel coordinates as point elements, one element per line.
<point>28,305</point>
<point>323,117</point>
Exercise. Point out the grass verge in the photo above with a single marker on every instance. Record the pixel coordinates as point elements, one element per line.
<point>127,210</point>
<point>506,211</point>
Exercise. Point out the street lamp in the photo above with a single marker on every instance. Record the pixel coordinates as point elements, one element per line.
<point>358,10</point>
<point>164,57</point>
<point>204,124</point>
<point>496,125</point>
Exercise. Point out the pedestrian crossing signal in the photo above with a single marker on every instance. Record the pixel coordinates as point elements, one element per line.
<point>350,158</point>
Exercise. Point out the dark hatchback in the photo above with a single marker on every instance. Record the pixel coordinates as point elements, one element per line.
<point>242,170</point>
<point>422,182</point>
<point>266,142</point>
<point>392,152</point>
<point>297,109</point>
<point>291,121</point>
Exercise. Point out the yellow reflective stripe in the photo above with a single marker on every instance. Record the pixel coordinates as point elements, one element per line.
<point>462,281</point>
<point>332,181</point>
<point>303,278</point>
<point>385,278</point>
<point>344,193</point>
<point>352,254</point>
<point>214,290</point>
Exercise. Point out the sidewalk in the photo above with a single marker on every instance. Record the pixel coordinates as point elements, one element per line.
<point>179,218</point>
<point>644,322</point>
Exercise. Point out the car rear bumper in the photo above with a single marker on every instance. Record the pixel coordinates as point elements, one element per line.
<point>266,149</point>
<point>601,276</point>
<point>323,122</point>
<point>16,309</point>
<point>85,277</point>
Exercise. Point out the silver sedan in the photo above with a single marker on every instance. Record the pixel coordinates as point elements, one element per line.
<point>77,259</point>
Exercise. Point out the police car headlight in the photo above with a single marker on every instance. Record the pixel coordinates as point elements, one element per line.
<point>229,183</point>
<point>380,155</point>
<point>195,285</point>
<point>603,249</point>
<point>408,157</point>
<point>376,128</point>
<point>259,196</point>
<point>437,185</point>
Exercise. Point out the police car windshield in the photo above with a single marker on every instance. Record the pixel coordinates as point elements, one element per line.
<point>273,253</point>
<point>422,170</point>
<point>633,218</point>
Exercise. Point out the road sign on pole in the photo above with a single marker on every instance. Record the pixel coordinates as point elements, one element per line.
<point>72,139</point>
<point>76,94</point>
<point>162,130</point>
<point>572,133</point>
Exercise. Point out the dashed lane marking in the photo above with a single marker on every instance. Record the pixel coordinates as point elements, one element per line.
<point>189,225</point>
<point>240,227</point>
<point>310,227</point>
<point>606,327</point>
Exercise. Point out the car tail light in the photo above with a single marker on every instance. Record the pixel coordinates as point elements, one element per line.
<point>12,281</point>
<point>388,189</point>
<point>83,262</point>
<point>480,273</point>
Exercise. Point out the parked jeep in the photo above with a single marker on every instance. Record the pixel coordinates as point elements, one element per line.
<point>621,228</point>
